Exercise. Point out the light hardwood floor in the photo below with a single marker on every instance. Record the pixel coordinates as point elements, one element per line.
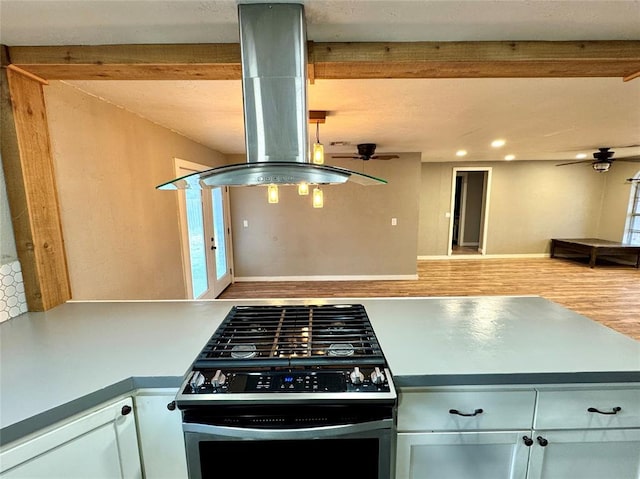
<point>609,294</point>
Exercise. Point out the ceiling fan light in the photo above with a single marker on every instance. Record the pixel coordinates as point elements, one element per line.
<point>303,189</point>
<point>601,166</point>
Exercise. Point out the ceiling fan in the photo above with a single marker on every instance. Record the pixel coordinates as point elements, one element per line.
<point>366,151</point>
<point>603,158</point>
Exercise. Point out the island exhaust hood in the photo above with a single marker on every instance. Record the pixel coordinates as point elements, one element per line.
<point>273,46</point>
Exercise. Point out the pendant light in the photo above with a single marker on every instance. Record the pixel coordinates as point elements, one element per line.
<point>318,148</point>
<point>303,189</point>
<point>272,193</point>
<point>318,201</point>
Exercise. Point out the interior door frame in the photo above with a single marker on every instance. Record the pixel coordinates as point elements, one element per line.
<point>180,165</point>
<point>484,221</point>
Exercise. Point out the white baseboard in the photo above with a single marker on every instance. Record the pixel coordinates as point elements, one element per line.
<point>393,277</point>
<point>484,256</point>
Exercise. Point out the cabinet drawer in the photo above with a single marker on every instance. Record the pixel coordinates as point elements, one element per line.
<point>436,411</point>
<point>578,408</point>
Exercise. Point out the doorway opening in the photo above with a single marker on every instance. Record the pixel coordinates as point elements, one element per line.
<point>469,216</point>
<point>205,228</point>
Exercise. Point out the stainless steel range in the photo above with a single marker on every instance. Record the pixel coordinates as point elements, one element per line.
<point>296,382</point>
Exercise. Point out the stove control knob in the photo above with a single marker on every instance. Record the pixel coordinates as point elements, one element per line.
<point>356,376</point>
<point>197,380</point>
<point>218,379</point>
<point>377,376</point>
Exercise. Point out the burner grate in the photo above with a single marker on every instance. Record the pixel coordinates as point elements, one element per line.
<point>283,335</point>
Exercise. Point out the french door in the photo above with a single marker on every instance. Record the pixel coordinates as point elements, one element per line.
<point>206,237</point>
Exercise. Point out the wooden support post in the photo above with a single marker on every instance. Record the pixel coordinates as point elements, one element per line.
<point>31,189</point>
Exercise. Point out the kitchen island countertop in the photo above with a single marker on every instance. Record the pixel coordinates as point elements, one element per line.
<point>59,362</point>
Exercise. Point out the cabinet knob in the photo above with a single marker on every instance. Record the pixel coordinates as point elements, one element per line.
<point>474,413</point>
<point>542,441</point>
<point>614,410</point>
<point>527,441</point>
<point>126,409</point>
<point>171,406</point>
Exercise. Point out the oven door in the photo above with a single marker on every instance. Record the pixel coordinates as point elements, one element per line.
<point>346,451</point>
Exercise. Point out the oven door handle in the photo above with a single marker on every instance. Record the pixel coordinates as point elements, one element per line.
<point>295,433</point>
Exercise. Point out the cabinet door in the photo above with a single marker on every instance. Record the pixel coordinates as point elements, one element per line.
<point>587,454</point>
<point>160,435</point>
<point>100,444</point>
<point>462,455</point>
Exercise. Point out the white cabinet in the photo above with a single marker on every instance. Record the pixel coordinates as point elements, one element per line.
<point>457,434</point>
<point>587,454</point>
<point>457,455</point>
<point>586,433</point>
<point>160,435</point>
<point>100,443</point>
<point>590,432</point>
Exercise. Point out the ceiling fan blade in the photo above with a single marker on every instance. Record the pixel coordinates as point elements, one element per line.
<point>628,158</point>
<point>384,157</point>
<point>348,157</point>
<point>575,162</point>
<point>597,147</point>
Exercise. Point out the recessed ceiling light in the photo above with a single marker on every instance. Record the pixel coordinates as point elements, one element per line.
<point>461,152</point>
<point>510,157</point>
<point>498,143</point>
<point>581,156</point>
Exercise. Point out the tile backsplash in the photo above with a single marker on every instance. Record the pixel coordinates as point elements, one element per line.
<point>13,301</point>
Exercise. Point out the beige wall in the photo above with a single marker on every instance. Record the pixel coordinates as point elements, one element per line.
<point>121,234</point>
<point>351,235</point>
<point>530,202</point>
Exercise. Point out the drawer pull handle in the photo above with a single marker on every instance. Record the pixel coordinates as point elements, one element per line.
<point>474,413</point>
<point>542,441</point>
<point>615,410</point>
<point>527,441</point>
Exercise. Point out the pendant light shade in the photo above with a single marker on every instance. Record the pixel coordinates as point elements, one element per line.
<point>318,200</point>
<point>272,193</point>
<point>318,148</point>
<point>303,189</point>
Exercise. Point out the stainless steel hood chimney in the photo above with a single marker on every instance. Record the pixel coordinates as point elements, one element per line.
<point>273,45</point>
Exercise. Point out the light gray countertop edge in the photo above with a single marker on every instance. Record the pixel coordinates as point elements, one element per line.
<point>128,386</point>
<point>60,413</point>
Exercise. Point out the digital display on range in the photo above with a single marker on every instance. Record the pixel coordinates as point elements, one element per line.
<point>288,382</point>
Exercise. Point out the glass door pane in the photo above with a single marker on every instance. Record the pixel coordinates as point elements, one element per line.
<point>218,233</point>
<point>197,248</point>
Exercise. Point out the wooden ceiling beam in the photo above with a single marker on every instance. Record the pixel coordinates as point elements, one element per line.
<point>338,60</point>
<point>31,188</point>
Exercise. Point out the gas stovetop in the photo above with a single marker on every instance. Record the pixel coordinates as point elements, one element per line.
<point>270,353</point>
<point>254,336</point>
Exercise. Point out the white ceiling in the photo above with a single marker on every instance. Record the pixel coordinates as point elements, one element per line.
<point>539,118</point>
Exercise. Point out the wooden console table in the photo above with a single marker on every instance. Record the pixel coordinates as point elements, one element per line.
<point>595,247</point>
